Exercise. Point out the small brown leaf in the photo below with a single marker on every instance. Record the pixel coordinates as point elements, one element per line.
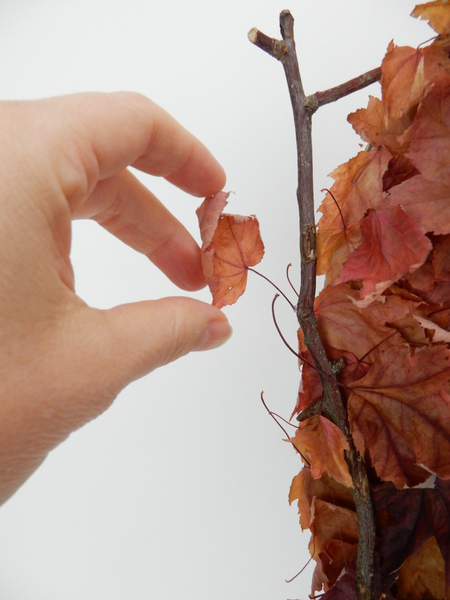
<point>231,244</point>
<point>323,444</point>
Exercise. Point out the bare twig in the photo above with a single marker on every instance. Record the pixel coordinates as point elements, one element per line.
<point>332,405</point>
<point>358,83</point>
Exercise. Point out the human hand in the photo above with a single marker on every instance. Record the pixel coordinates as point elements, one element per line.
<point>62,363</point>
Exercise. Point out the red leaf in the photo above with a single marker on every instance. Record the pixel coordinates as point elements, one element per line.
<point>426,201</point>
<point>400,413</point>
<point>393,244</point>
<point>345,326</point>
<point>399,170</point>
<point>357,188</point>
<point>407,519</point>
<point>231,244</point>
<point>429,135</point>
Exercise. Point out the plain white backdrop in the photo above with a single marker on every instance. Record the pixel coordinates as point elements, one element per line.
<point>180,490</point>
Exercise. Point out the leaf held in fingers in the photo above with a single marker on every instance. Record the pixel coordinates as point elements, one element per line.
<point>231,244</point>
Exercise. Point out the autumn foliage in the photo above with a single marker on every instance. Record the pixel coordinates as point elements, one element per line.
<point>384,246</point>
<point>384,319</point>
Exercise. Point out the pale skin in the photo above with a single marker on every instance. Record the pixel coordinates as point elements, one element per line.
<point>62,363</point>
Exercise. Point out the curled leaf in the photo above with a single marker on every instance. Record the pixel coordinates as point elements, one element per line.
<point>231,244</point>
<point>323,444</point>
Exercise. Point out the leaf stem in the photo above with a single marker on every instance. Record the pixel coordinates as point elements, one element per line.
<point>289,279</point>
<point>275,286</point>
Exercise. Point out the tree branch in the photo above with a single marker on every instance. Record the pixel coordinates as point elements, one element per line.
<point>318,99</point>
<point>331,404</point>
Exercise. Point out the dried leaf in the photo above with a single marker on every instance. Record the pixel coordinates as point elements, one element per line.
<point>393,244</point>
<point>323,444</point>
<point>357,187</point>
<point>333,559</point>
<point>422,575</point>
<point>437,13</point>
<point>373,126</point>
<point>406,73</point>
<point>400,413</point>
<point>345,326</point>
<point>400,168</point>
<point>426,201</point>
<point>231,244</point>
<point>331,522</point>
<point>429,135</point>
<point>407,520</point>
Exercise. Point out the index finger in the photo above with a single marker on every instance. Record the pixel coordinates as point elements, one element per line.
<point>113,131</point>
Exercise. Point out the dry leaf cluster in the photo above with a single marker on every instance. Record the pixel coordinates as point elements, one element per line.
<point>384,246</point>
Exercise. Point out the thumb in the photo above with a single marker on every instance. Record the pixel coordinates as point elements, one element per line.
<point>147,335</point>
<point>76,370</point>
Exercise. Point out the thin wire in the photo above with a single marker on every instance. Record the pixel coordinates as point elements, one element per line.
<point>340,212</point>
<point>275,286</point>
<point>283,429</point>
<point>299,573</point>
<point>289,280</point>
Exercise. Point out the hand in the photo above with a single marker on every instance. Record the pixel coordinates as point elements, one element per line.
<point>62,363</point>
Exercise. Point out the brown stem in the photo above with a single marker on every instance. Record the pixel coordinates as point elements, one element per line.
<point>331,404</point>
<point>358,83</point>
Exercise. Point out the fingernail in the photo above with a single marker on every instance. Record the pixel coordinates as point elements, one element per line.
<point>216,334</point>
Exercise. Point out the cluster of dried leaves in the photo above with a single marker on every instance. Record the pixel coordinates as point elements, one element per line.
<point>384,319</point>
<point>384,316</point>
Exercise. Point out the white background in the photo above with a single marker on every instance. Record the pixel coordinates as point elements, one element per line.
<point>180,490</point>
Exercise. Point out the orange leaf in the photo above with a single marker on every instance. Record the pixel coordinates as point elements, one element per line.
<point>331,522</point>
<point>304,488</point>
<point>231,244</point>
<point>429,135</point>
<point>406,73</point>
<point>300,490</point>
<point>333,559</point>
<point>437,13</point>
<point>373,126</point>
<point>357,188</point>
<point>323,444</point>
